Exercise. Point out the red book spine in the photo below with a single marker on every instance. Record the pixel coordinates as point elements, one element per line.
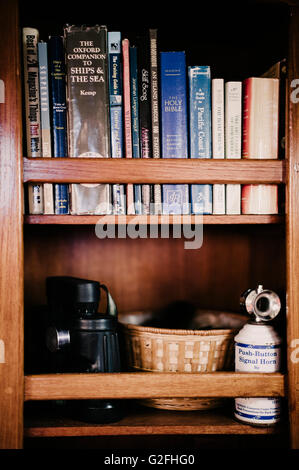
<point>246,118</point>
<point>127,118</point>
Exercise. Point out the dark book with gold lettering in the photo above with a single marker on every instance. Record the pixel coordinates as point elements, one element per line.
<point>88,110</point>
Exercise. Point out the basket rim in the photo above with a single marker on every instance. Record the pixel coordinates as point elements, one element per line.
<point>168,331</point>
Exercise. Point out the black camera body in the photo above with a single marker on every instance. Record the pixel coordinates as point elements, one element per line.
<point>83,339</point>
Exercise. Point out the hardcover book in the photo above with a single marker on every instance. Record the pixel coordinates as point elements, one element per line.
<point>127,117</point>
<point>218,150</point>
<point>59,118</point>
<point>155,89</point>
<point>135,122</point>
<point>174,126</point>
<point>260,118</point>
<point>233,140</point>
<point>259,199</point>
<point>88,110</point>
<point>45,120</point>
<point>260,139</point>
<point>200,132</point>
<point>30,38</point>
<point>144,87</point>
<point>116,114</point>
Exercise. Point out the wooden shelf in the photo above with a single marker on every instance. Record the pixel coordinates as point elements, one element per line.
<point>121,170</point>
<point>152,385</point>
<point>152,219</point>
<point>145,421</point>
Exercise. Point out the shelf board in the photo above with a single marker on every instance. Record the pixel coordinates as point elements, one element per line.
<point>151,170</point>
<point>146,422</point>
<point>152,385</point>
<point>151,219</point>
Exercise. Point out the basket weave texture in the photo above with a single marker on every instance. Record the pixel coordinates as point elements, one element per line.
<point>169,350</point>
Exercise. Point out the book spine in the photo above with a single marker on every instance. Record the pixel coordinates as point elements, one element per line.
<point>200,132</point>
<point>218,150</point>
<point>88,110</point>
<point>45,120</point>
<point>259,199</point>
<point>260,139</point>
<point>58,108</point>
<point>127,118</point>
<point>233,139</point>
<point>116,114</point>
<point>30,38</point>
<point>154,79</point>
<point>175,198</point>
<point>144,112</point>
<point>135,122</point>
<point>247,95</point>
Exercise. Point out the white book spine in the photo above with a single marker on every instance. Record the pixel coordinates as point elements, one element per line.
<point>218,150</point>
<point>32,110</point>
<point>233,140</point>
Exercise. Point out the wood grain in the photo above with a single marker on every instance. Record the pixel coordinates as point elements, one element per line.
<point>11,242</point>
<point>292,225</point>
<point>145,273</point>
<point>152,385</point>
<point>109,170</point>
<point>153,219</point>
<point>146,422</point>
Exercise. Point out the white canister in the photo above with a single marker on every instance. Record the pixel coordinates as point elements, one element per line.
<point>257,349</point>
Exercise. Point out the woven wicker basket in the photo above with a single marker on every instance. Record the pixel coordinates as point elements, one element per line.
<point>168,350</point>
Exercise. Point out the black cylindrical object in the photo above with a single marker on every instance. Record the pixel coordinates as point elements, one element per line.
<point>86,341</point>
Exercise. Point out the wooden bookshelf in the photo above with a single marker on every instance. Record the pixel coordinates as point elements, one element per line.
<point>109,170</point>
<point>238,251</point>
<point>153,219</point>
<point>152,385</point>
<point>146,422</point>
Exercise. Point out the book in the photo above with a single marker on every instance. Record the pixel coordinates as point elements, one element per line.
<point>30,37</point>
<point>58,116</point>
<point>88,110</point>
<point>174,126</point>
<point>200,132</point>
<point>260,139</point>
<point>127,118</point>
<point>260,117</point>
<point>218,150</point>
<point>116,114</point>
<point>259,199</point>
<point>45,120</point>
<point>155,89</point>
<point>233,140</point>
<point>135,122</point>
<point>144,87</point>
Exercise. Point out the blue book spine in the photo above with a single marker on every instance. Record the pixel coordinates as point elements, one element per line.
<point>59,119</point>
<point>200,132</point>
<point>174,126</point>
<point>135,123</point>
<point>116,113</point>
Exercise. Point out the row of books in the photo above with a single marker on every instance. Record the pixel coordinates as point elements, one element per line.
<point>92,93</point>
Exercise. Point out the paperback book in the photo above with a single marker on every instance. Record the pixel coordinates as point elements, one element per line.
<point>32,111</point>
<point>59,118</point>
<point>143,50</point>
<point>45,120</point>
<point>135,122</point>
<point>218,150</point>
<point>116,114</point>
<point>233,140</point>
